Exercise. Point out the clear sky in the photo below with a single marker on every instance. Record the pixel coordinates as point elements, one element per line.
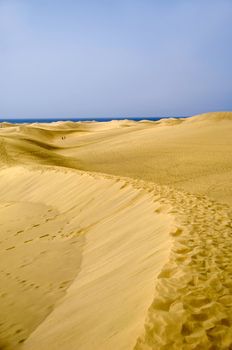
<point>114,58</point>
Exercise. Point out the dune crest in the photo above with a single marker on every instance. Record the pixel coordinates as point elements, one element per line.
<point>192,304</point>
<point>212,116</point>
<point>116,235</point>
<point>96,236</point>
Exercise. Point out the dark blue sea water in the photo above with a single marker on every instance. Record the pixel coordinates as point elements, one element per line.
<point>50,120</point>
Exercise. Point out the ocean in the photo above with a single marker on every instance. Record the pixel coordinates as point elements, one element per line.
<point>51,120</point>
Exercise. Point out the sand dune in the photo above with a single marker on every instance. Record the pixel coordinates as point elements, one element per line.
<point>116,235</point>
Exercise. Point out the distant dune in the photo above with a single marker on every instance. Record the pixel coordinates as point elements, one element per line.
<point>116,235</point>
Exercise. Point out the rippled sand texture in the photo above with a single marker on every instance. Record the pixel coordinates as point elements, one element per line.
<point>116,235</point>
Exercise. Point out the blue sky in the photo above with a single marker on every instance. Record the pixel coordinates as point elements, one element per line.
<point>119,58</point>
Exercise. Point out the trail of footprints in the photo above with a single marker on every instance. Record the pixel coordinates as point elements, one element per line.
<point>192,308</point>
<point>37,232</point>
<point>19,332</point>
<point>28,231</point>
<point>62,233</point>
<point>30,284</point>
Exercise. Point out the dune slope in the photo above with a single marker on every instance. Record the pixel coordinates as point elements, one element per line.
<point>192,154</point>
<point>116,235</point>
<point>97,237</point>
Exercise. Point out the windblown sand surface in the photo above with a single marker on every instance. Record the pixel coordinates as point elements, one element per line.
<point>116,236</point>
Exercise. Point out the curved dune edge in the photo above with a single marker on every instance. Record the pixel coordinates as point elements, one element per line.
<point>192,301</point>
<point>193,298</point>
<point>121,237</point>
<point>192,307</point>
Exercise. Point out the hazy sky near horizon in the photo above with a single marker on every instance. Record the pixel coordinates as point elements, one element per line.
<point>122,58</point>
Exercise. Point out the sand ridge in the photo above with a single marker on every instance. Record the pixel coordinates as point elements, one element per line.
<point>192,296</point>
<point>192,304</point>
<point>70,235</point>
<point>116,235</point>
<point>192,154</point>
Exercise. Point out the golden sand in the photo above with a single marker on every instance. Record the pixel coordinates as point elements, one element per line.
<point>116,235</point>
